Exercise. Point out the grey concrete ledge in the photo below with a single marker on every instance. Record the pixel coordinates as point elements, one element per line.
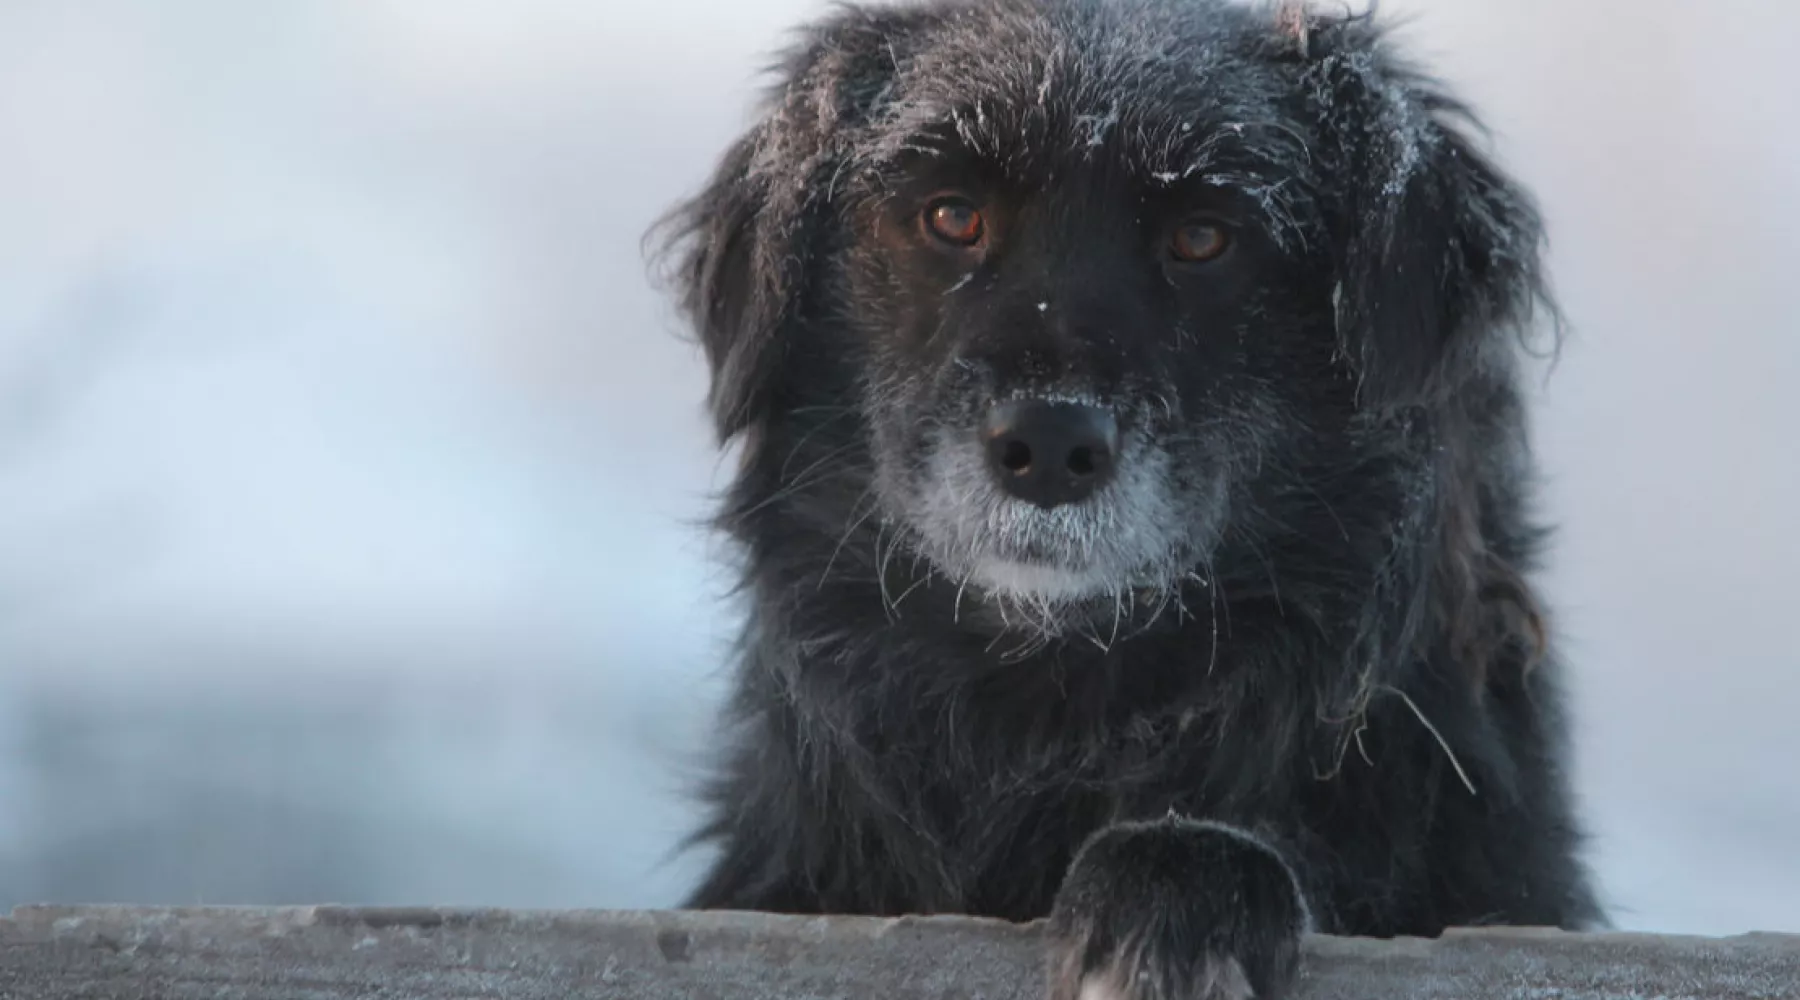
<point>328,953</point>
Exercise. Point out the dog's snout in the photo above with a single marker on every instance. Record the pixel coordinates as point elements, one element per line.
<point>1050,453</point>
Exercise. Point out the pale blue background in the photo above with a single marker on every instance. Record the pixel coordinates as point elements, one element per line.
<point>347,462</point>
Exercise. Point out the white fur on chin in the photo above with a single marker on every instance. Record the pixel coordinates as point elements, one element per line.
<point>1036,583</point>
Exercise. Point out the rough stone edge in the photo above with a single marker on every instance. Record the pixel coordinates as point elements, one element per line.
<point>330,952</point>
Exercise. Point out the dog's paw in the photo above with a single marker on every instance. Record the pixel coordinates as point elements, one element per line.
<point>1176,910</point>
<point>1128,979</point>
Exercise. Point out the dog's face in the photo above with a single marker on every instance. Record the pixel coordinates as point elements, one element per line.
<point>1098,276</point>
<point>1069,362</point>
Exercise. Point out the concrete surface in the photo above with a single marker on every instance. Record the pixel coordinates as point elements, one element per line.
<point>316,953</point>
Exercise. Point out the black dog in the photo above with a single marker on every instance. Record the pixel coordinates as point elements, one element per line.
<point>1135,491</point>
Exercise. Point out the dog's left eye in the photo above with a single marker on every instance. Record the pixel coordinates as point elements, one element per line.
<point>1197,241</point>
<point>955,221</point>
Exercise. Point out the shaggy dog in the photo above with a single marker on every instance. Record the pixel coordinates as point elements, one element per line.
<point>1134,498</point>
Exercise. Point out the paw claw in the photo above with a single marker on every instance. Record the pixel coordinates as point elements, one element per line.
<point>1217,979</point>
<point>1094,988</point>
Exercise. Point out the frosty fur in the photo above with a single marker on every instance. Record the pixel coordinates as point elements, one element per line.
<point>1300,678</point>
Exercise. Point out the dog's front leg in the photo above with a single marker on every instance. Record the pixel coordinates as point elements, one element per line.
<point>1176,909</point>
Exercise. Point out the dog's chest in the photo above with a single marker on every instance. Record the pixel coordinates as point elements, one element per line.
<point>1003,828</point>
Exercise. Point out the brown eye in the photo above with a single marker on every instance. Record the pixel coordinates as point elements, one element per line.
<point>1199,241</point>
<point>955,221</point>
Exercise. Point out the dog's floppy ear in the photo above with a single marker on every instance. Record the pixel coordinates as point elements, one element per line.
<point>746,246</point>
<point>1437,250</point>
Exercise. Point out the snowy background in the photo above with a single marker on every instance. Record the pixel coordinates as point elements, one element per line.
<point>348,463</point>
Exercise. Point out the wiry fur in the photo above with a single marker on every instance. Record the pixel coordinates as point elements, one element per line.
<point>1289,661</point>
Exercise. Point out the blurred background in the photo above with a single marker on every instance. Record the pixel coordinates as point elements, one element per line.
<point>350,465</point>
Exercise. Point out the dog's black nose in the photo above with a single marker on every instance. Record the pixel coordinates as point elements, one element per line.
<point>1049,453</point>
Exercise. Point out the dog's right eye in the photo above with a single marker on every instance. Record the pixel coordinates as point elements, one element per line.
<point>955,221</point>
<point>1199,240</point>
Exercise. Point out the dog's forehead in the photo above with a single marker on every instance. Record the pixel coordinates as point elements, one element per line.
<point>1169,87</point>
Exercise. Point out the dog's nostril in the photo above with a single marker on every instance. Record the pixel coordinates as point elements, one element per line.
<point>1016,457</point>
<point>1081,462</point>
